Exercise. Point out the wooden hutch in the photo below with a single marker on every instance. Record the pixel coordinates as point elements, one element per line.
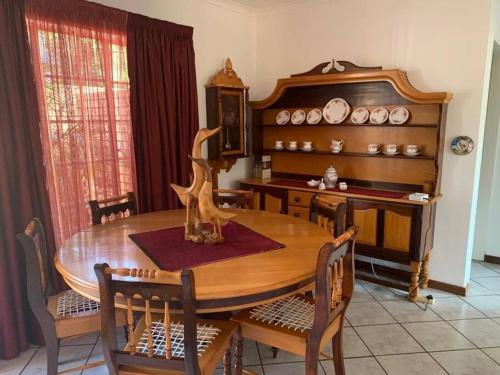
<point>396,234</point>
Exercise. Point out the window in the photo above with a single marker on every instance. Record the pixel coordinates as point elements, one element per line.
<point>83,90</point>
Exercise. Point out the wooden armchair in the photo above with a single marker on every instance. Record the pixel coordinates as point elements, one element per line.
<point>302,325</point>
<point>60,315</point>
<point>161,343</point>
<point>328,212</point>
<point>234,198</point>
<point>120,206</point>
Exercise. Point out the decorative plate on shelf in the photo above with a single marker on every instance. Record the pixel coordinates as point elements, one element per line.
<point>314,116</point>
<point>379,115</point>
<point>298,117</point>
<point>360,115</point>
<point>283,117</point>
<point>399,116</point>
<point>462,145</point>
<point>336,111</point>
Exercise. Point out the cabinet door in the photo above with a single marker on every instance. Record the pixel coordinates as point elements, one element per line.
<point>269,198</point>
<point>386,230</point>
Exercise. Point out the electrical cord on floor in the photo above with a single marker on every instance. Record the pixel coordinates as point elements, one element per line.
<point>430,298</point>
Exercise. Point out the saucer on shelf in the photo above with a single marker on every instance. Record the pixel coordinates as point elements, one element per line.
<point>307,149</point>
<point>373,152</point>
<point>292,149</point>
<point>390,153</point>
<point>411,153</point>
<point>278,148</point>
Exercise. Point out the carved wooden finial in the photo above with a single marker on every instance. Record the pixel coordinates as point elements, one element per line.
<point>335,67</point>
<point>226,77</point>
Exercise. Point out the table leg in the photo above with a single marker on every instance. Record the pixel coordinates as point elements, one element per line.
<point>415,273</point>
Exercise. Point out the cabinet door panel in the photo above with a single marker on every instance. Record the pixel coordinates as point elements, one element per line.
<point>366,220</point>
<point>397,231</point>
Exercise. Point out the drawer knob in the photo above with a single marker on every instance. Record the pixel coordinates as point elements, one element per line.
<point>296,214</point>
<point>296,199</point>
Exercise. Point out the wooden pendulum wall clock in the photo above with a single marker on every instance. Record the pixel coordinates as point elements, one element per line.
<point>227,101</point>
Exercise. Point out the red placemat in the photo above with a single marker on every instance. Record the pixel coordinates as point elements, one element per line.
<point>350,189</point>
<point>171,252</point>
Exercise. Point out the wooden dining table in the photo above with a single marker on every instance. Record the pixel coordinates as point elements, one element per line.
<point>224,285</point>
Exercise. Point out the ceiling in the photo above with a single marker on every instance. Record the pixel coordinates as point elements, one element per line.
<point>266,4</point>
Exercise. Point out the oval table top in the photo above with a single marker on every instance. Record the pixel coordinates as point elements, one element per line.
<point>221,286</point>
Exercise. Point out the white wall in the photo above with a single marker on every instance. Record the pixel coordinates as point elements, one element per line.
<point>487,237</point>
<point>220,31</point>
<point>443,45</point>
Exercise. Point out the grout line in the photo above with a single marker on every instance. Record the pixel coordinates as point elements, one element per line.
<point>29,360</point>
<point>260,357</point>
<point>489,356</point>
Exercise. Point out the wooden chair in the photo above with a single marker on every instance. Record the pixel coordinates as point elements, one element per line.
<point>234,198</point>
<point>60,315</point>
<point>329,212</point>
<point>122,205</point>
<point>302,325</point>
<point>162,343</point>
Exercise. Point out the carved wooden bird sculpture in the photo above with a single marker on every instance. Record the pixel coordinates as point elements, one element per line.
<point>189,195</point>
<point>209,212</point>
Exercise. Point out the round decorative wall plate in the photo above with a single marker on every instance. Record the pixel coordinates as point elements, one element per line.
<point>314,116</point>
<point>298,117</point>
<point>336,110</point>
<point>462,145</point>
<point>283,117</point>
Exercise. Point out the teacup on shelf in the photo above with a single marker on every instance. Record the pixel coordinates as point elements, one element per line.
<point>413,149</point>
<point>342,186</point>
<point>292,145</point>
<point>374,148</point>
<point>278,145</point>
<point>391,149</point>
<point>307,145</point>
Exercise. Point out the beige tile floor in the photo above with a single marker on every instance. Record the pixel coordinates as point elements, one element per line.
<point>384,334</point>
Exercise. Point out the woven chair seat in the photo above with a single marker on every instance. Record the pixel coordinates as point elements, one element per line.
<point>294,312</point>
<point>71,303</point>
<point>206,335</point>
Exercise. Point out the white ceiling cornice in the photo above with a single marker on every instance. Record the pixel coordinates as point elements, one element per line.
<point>258,8</point>
<point>234,7</point>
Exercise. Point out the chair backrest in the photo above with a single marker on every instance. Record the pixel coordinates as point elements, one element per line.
<point>176,292</point>
<point>116,206</point>
<point>334,286</point>
<point>39,285</point>
<point>328,212</point>
<point>234,198</point>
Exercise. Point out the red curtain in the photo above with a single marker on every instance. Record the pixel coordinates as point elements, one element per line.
<point>164,107</point>
<point>79,56</point>
<point>23,192</point>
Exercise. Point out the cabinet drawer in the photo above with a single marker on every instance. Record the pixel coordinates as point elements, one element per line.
<point>299,212</point>
<point>299,198</point>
